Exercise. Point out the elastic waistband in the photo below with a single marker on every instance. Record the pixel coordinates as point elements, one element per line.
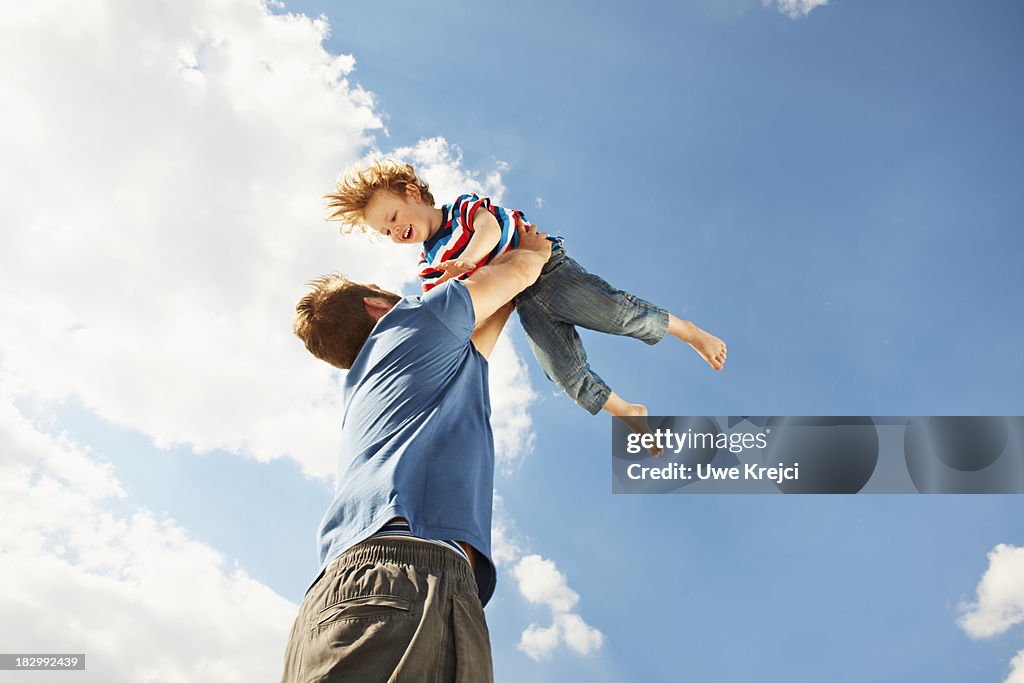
<point>404,551</point>
<point>399,527</point>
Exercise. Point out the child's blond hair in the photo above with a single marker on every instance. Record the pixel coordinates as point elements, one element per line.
<point>354,189</point>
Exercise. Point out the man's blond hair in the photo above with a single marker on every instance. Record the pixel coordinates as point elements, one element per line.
<point>354,189</point>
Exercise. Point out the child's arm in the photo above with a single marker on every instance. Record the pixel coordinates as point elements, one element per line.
<point>486,233</point>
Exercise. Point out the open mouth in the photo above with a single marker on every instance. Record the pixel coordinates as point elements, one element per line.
<point>407,233</point>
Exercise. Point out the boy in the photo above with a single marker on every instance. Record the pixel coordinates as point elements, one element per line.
<point>390,199</point>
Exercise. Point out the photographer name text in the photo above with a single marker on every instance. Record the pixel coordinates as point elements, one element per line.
<point>749,472</point>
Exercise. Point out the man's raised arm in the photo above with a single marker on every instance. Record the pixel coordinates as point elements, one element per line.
<point>492,287</point>
<point>486,333</point>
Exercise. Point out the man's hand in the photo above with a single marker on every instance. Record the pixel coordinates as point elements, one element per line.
<point>532,240</point>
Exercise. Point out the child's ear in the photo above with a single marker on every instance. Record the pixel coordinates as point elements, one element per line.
<point>413,192</point>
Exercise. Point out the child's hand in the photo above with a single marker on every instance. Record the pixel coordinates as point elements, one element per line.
<point>454,268</point>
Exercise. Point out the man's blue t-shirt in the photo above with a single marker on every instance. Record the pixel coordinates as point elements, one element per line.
<point>416,432</point>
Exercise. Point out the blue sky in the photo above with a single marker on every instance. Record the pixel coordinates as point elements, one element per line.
<point>835,194</point>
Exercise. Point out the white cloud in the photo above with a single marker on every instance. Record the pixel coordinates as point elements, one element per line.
<point>506,548</point>
<point>794,9</point>
<point>541,583</point>
<point>162,211</point>
<point>1000,595</point>
<point>440,164</point>
<point>511,398</point>
<point>1016,674</point>
<point>119,587</point>
<point>539,642</point>
<point>580,637</point>
<point>1000,602</point>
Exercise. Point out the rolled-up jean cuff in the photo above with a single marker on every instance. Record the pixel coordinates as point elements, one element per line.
<point>662,328</point>
<point>594,401</point>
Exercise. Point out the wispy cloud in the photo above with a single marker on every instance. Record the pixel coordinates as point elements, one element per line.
<point>511,398</point>
<point>794,9</point>
<point>441,164</point>
<point>1016,674</point>
<point>120,587</point>
<point>540,582</point>
<point>999,603</point>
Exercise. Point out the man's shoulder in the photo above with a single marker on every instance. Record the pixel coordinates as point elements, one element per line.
<point>452,304</point>
<point>448,304</point>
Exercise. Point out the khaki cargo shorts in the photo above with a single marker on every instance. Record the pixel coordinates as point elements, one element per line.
<point>391,610</point>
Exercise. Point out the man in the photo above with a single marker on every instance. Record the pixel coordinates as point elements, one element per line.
<point>405,545</point>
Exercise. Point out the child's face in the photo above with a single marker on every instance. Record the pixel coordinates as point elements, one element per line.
<point>404,219</point>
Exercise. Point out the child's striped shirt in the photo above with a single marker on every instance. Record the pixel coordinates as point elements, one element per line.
<point>456,229</point>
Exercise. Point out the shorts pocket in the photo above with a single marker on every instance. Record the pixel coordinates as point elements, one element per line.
<point>362,607</point>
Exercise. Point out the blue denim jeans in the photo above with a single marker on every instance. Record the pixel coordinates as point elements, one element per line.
<point>566,296</point>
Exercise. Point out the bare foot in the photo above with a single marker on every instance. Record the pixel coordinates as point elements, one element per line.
<point>711,348</point>
<point>634,416</point>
